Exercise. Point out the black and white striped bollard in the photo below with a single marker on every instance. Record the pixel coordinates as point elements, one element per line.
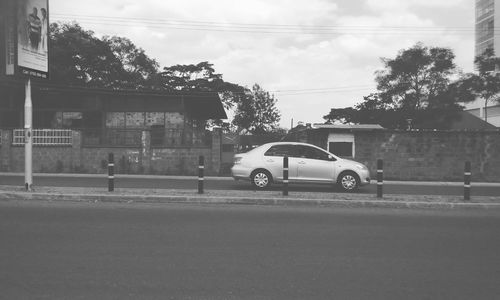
<point>467,179</point>
<point>380,178</point>
<point>111,172</point>
<point>285,175</point>
<point>201,168</point>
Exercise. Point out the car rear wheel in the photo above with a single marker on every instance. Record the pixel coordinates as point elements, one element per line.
<point>348,181</point>
<point>261,179</point>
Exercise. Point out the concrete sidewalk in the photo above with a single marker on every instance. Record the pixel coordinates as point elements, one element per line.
<point>96,195</point>
<point>391,182</point>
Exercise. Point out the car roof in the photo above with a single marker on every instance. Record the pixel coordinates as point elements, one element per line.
<point>288,143</point>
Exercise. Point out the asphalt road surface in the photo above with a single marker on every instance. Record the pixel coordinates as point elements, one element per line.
<point>229,184</point>
<point>146,251</point>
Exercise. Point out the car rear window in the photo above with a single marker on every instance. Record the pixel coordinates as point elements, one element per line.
<point>280,150</point>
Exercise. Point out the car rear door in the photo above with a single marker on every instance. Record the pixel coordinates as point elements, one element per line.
<point>273,159</point>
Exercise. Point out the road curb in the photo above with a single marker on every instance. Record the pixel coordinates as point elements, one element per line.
<point>271,201</point>
<point>228,178</point>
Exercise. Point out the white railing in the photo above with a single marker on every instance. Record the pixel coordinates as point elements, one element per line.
<point>45,137</point>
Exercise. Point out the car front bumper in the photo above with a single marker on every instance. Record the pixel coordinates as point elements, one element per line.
<point>364,177</point>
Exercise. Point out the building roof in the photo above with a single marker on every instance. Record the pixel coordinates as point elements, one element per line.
<point>469,121</point>
<point>204,106</point>
<point>200,105</point>
<point>356,127</point>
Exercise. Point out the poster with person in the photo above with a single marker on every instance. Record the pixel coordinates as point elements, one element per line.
<point>32,37</point>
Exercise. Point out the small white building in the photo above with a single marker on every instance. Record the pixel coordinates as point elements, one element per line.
<point>487,111</point>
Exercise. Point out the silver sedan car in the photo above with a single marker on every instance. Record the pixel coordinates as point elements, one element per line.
<point>306,163</point>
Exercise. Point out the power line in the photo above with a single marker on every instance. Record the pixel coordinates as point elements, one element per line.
<point>321,90</point>
<point>262,28</point>
<point>324,92</point>
<point>281,92</point>
<point>247,25</point>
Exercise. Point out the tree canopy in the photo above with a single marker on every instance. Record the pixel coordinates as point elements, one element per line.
<point>416,86</point>
<point>256,111</point>
<point>484,84</point>
<point>138,71</point>
<point>200,77</point>
<point>79,58</point>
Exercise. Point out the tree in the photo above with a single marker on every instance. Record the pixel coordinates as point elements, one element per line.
<point>78,57</point>
<point>201,78</point>
<point>415,77</point>
<point>256,111</point>
<point>415,86</point>
<point>371,111</point>
<point>484,84</point>
<point>138,70</point>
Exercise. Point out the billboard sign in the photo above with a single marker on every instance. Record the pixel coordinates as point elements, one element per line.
<point>33,37</point>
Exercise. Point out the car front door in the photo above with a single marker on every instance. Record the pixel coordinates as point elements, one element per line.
<point>273,159</point>
<point>314,164</point>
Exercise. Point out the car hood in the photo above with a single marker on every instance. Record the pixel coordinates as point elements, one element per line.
<point>350,162</point>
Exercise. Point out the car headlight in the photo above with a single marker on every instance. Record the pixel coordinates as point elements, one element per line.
<point>237,160</point>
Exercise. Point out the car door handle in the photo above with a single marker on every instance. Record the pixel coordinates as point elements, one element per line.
<point>270,160</point>
<point>302,162</point>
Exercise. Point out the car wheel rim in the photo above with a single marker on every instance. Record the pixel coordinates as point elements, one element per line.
<point>348,182</point>
<point>261,180</point>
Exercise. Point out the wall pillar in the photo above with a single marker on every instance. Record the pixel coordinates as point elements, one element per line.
<point>146,152</point>
<point>76,151</point>
<point>5,150</point>
<point>216,150</point>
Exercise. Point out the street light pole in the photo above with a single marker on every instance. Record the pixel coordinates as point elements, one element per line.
<point>28,138</point>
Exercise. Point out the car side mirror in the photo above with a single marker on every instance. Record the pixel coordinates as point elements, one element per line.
<point>331,158</point>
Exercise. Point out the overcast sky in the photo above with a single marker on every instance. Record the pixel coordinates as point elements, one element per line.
<point>312,55</point>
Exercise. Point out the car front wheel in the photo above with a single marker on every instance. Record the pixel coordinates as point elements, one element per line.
<point>261,179</point>
<point>348,181</point>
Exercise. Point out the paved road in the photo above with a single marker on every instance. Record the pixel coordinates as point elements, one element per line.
<point>229,184</point>
<point>138,251</point>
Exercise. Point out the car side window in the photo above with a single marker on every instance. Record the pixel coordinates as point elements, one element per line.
<point>312,153</point>
<point>280,150</point>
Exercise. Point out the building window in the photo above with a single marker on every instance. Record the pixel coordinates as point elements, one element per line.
<point>115,119</point>
<point>341,144</point>
<point>484,9</point>
<point>155,119</point>
<point>72,120</point>
<point>134,120</point>
<point>341,148</point>
<point>47,119</point>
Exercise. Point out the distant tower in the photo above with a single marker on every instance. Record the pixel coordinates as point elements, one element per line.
<point>487,36</point>
<point>487,26</point>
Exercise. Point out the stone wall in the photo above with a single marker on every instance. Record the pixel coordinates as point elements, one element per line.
<point>143,159</point>
<point>407,155</point>
<point>419,155</point>
<point>431,155</point>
